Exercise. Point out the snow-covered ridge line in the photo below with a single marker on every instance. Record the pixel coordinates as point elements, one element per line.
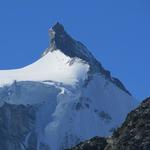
<point>54,66</point>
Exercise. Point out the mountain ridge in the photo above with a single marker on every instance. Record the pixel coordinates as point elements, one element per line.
<point>61,40</point>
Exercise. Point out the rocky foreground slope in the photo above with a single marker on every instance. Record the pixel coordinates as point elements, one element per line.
<point>134,134</point>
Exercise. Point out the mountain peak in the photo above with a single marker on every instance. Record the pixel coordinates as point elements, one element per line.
<point>58,28</point>
<point>61,40</point>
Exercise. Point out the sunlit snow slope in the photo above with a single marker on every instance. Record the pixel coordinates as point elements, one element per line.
<point>53,66</point>
<point>66,97</point>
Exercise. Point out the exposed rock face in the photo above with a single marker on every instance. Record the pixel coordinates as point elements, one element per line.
<point>96,143</point>
<point>17,128</point>
<point>16,122</point>
<point>134,134</point>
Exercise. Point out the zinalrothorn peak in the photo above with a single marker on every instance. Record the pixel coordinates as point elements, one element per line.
<point>58,28</point>
<point>61,40</point>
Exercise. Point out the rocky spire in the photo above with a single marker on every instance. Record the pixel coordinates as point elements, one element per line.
<point>60,39</point>
<point>58,28</point>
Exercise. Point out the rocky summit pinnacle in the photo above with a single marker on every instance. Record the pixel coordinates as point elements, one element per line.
<point>61,40</point>
<point>58,28</point>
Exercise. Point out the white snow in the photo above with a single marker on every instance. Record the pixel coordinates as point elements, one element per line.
<point>54,66</point>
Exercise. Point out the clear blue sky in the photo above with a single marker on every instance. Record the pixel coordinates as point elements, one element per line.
<point>116,31</point>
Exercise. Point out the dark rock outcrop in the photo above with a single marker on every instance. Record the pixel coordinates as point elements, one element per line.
<point>16,122</point>
<point>134,134</point>
<point>96,143</point>
<point>17,128</point>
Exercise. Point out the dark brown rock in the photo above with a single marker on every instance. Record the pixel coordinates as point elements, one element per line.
<point>96,143</point>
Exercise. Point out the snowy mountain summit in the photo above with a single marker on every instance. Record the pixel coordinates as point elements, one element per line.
<point>63,98</point>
